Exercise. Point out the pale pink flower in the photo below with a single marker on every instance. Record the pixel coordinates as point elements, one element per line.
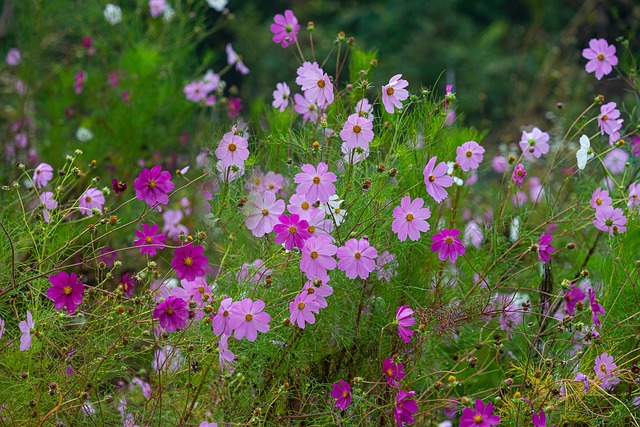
<point>264,210</point>
<point>232,150</point>
<point>534,143</point>
<point>469,155</point>
<point>436,178</point>
<point>281,96</point>
<point>602,57</point>
<point>308,109</point>
<point>316,184</point>
<point>357,132</point>
<point>410,219</point>
<point>357,258</point>
<point>315,84</point>
<point>394,92</point>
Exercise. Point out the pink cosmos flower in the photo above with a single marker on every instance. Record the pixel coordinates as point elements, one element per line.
<point>188,262</point>
<point>127,285</point>
<point>234,106</point>
<point>404,320</point>
<point>405,407</point>
<point>232,150</point>
<point>473,234</point>
<point>285,28</point>
<point>317,256</point>
<point>319,288</point>
<point>13,57</point>
<point>292,231</point>
<point>319,226</point>
<point>544,248</point>
<point>316,184</point>
<point>616,160</point>
<point>481,417</point>
<point>393,372</point>
<point>609,121</point>
<point>635,146</point>
<point>172,313</point>
<point>247,319</point>
<point>65,291</point>
<point>172,227</point>
<point>394,92</point>
<point>539,420</point>
<point>599,198</point>
<point>229,173</point>
<point>534,143</point>
<point>79,80</point>
<point>499,164</point>
<point>469,155</point>
<point>225,357</point>
<point>364,109</point>
<point>519,198</point>
<point>301,206</point>
<point>92,198</point>
<point>153,186</point>
<point>302,309</point>
<point>149,239</point>
<point>48,203</point>
<point>604,366</point>
<point>634,195</point>
<point>281,96</point>
<point>596,308</point>
<point>342,392</point>
<point>309,109</point>
<point>221,323</point>
<point>357,132</point>
<point>42,175</point>
<point>447,244</point>
<point>601,56</point>
<point>386,266</point>
<point>315,84</point>
<point>436,178</point>
<point>234,58</point>
<point>519,173</point>
<point>610,219</point>
<point>264,210</point>
<point>26,326</point>
<point>584,379</point>
<point>410,219</point>
<point>572,297</point>
<point>156,7</point>
<point>357,258</point>
<point>353,155</point>
<point>195,91</point>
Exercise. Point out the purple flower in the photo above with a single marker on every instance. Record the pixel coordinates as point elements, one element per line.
<point>1,327</point>
<point>609,121</point>
<point>315,184</point>
<point>584,379</point>
<point>393,372</point>
<point>572,297</point>
<point>90,199</point>
<point>436,178</point>
<point>634,195</point>
<point>221,323</point>
<point>253,273</point>
<point>600,197</point>
<point>302,309</point>
<point>234,58</point>
<point>317,256</point>
<point>79,80</point>
<point>447,244</point>
<point>172,313</point>
<point>188,262</point>
<point>225,356</point>
<point>545,249</point>
<point>519,173</point>
<point>357,258</point>
<point>118,186</point>
<point>42,175</point>
<point>499,164</point>
<point>481,417</point>
<point>153,186</point>
<point>232,150</point>
<point>247,319</point>
<point>172,227</point>
<point>25,327</point>
<point>410,219</point>
<point>386,266</point>
<point>13,57</point>
<point>604,366</point>
<point>469,155</point>
<point>315,84</point>
<point>264,210</point>
<point>539,420</point>
<point>195,91</point>
<point>357,132</point>
<point>405,407</point>
<point>48,203</point>
<point>596,308</point>
<point>127,285</point>
<point>306,107</point>
<point>342,392</point>
<point>394,92</point>
<point>601,56</point>
<point>281,96</point>
<point>292,231</point>
<point>610,219</point>
<point>404,319</point>
<point>149,239</point>
<point>534,143</point>
<point>285,28</point>
<point>616,160</point>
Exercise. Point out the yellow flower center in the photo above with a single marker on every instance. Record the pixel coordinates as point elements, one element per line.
<point>314,254</point>
<point>357,129</point>
<point>305,205</point>
<point>265,212</point>
<point>188,261</point>
<point>67,290</point>
<point>312,107</point>
<point>605,118</point>
<point>225,313</point>
<point>292,230</point>
<point>357,255</point>
<point>311,229</point>
<point>598,201</point>
<point>389,372</point>
<point>409,217</point>
<point>389,91</point>
<point>148,240</point>
<point>249,317</point>
<point>271,186</point>
<point>311,291</point>
<point>87,199</point>
<point>345,394</point>
<point>520,172</point>
<point>603,367</point>
<point>600,57</point>
<point>448,241</point>
<point>301,306</point>
<point>432,178</point>
<point>477,419</point>
<point>169,310</point>
<point>469,154</point>
<point>316,180</point>
<point>232,147</point>
<point>152,184</point>
<point>201,289</point>
<point>321,84</point>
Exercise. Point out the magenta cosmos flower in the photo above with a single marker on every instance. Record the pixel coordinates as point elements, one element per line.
<point>172,313</point>
<point>610,219</point>
<point>539,420</point>
<point>410,219</point>
<point>232,150</point>
<point>436,178</point>
<point>90,199</point>
<point>264,210</point>
<point>572,297</point>
<point>394,92</point>
<point>285,28</point>
<point>482,416</point>
<point>317,256</point>
<point>405,407</point>
<point>188,262</point>
<point>149,239</point>
<point>316,184</point>
<point>544,248</point>
<point>315,84</point>
<point>601,56</point>
<point>342,392</point>
<point>596,308</point>
<point>519,173</point>
<point>534,143</point>
<point>404,319</point>
<point>357,132</point>
<point>153,186</point>
<point>26,326</point>
<point>447,244</point>
<point>393,372</point>
<point>599,198</point>
<point>292,231</point>
<point>281,96</point>
<point>127,285</point>
<point>469,155</point>
<point>42,175</point>
<point>302,309</point>
<point>65,291</point>
<point>357,258</point>
<point>247,319</point>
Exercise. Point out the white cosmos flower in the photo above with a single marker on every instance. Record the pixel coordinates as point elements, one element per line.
<point>584,153</point>
<point>333,210</point>
<point>113,14</point>
<point>217,4</point>
<point>83,134</point>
